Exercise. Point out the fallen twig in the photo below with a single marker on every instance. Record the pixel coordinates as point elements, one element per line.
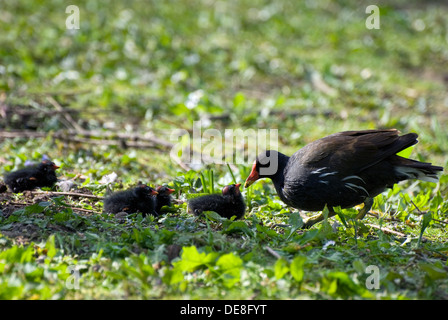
<point>73,194</point>
<point>387,230</point>
<point>272,252</point>
<point>84,210</point>
<point>423,213</point>
<point>93,137</point>
<point>69,120</point>
<point>25,204</point>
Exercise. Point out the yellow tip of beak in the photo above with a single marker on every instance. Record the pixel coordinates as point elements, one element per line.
<point>248,183</point>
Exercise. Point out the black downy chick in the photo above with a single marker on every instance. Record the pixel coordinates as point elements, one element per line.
<point>163,198</point>
<point>229,203</point>
<point>42,175</point>
<point>139,199</point>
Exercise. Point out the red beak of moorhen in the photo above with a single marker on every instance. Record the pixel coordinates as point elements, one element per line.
<point>154,192</point>
<point>170,191</point>
<point>237,186</point>
<point>55,167</point>
<point>252,177</point>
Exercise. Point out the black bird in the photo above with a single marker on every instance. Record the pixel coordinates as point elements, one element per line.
<point>343,169</point>
<point>229,203</point>
<point>41,175</point>
<point>163,198</point>
<point>139,199</point>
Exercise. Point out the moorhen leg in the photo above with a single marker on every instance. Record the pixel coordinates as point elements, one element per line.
<point>316,218</point>
<point>367,206</point>
<point>319,217</point>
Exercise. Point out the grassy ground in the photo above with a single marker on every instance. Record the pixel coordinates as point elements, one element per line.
<point>306,69</point>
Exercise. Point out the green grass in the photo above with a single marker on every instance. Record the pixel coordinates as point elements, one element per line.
<point>137,66</point>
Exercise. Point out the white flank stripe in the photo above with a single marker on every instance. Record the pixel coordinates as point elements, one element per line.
<point>318,170</point>
<point>348,185</point>
<point>353,177</point>
<point>327,174</point>
<point>351,188</point>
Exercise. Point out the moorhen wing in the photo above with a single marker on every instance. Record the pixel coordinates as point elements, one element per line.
<point>343,169</point>
<point>163,198</point>
<point>138,199</point>
<point>229,203</point>
<point>38,176</point>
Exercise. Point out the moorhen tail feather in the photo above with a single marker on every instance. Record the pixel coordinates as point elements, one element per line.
<point>343,169</point>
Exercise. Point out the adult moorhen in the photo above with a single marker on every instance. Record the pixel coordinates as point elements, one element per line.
<point>229,203</point>
<point>38,176</point>
<point>343,169</point>
<point>139,199</point>
<point>163,198</point>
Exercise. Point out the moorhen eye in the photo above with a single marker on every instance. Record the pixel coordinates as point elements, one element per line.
<point>138,199</point>
<point>42,175</point>
<point>227,204</point>
<point>343,169</point>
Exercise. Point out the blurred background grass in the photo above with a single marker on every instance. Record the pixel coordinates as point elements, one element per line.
<point>307,68</point>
